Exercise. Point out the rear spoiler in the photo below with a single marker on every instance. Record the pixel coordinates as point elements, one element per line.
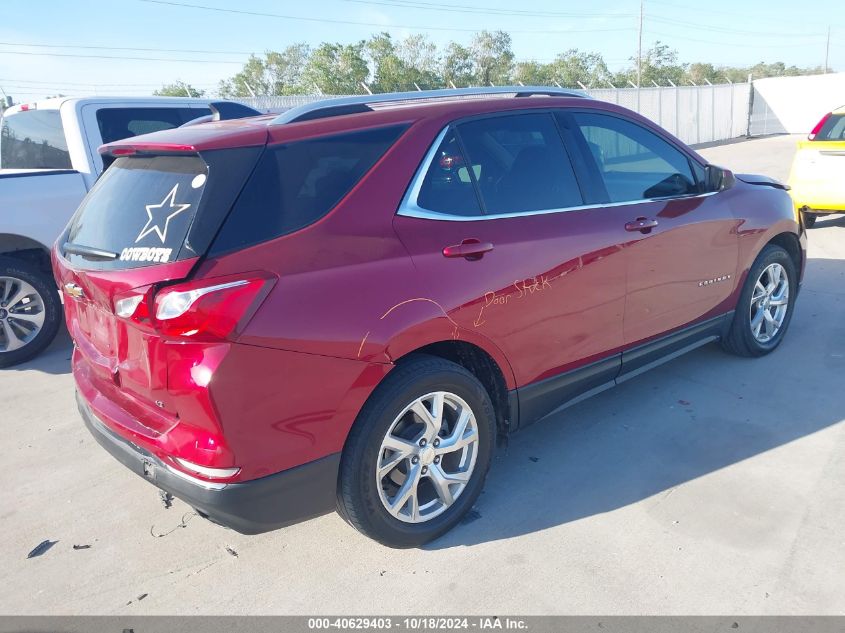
<point>224,111</point>
<point>150,143</point>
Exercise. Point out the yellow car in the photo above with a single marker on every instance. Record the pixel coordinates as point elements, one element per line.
<point>818,171</point>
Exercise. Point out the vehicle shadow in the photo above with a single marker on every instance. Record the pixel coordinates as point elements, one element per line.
<point>53,360</point>
<point>826,221</point>
<point>690,417</point>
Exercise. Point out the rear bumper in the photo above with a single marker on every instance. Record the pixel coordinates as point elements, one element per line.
<point>250,507</point>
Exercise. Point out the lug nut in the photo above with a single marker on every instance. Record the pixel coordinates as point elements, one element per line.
<point>437,441</point>
<point>437,459</point>
<point>415,459</point>
<point>422,442</point>
<point>424,470</point>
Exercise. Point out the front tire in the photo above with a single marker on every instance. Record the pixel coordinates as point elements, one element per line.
<point>418,454</point>
<point>30,311</point>
<point>765,305</point>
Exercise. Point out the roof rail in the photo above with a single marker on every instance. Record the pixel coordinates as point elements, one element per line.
<point>350,105</point>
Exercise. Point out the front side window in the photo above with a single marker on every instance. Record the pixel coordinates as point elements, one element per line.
<point>520,164</point>
<point>33,139</point>
<point>633,162</point>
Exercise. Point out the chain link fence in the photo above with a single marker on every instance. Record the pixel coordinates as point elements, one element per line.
<point>695,114</point>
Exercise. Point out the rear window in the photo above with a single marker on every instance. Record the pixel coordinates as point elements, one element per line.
<point>140,209</point>
<point>34,139</point>
<point>833,129</point>
<point>119,123</point>
<point>295,184</point>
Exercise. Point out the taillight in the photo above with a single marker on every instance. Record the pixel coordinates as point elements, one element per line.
<point>819,126</point>
<point>134,305</point>
<point>210,309</point>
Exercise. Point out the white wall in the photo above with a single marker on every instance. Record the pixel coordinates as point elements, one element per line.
<point>795,104</point>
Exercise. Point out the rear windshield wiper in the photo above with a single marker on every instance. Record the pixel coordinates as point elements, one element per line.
<point>88,252</point>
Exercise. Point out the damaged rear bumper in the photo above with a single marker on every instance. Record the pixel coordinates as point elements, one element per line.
<point>250,507</point>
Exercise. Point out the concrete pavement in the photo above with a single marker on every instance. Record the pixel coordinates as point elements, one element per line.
<point>712,485</point>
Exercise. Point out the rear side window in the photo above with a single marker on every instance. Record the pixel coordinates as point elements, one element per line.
<point>635,163</point>
<point>296,184</point>
<point>119,123</point>
<point>520,164</point>
<point>34,139</point>
<point>140,209</point>
<point>833,129</point>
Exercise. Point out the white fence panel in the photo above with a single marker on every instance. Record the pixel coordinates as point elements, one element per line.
<point>695,114</point>
<point>793,105</point>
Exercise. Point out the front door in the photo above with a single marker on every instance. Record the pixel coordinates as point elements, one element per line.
<point>682,247</point>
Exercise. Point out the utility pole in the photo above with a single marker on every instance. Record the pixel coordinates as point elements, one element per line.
<point>640,57</point>
<point>827,51</point>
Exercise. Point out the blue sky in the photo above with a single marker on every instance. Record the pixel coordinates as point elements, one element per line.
<point>717,31</point>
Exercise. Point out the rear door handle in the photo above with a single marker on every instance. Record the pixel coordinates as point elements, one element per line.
<point>471,249</point>
<point>644,225</point>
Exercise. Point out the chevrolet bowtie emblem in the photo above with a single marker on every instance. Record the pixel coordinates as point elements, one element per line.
<point>74,291</point>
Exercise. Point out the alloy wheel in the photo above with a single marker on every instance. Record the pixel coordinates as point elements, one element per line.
<point>769,303</point>
<point>427,457</point>
<point>22,313</point>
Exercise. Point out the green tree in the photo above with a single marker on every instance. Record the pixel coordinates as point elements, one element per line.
<point>277,73</point>
<point>701,73</point>
<point>457,66</point>
<point>404,65</point>
<point>421,61</point>
<point>492,58</point>
<point>179,89</point>
<point>659,65</point>
<point>387,69</point>
<point>572,66</point>
<point>336,69</point>
<point>533,73</point>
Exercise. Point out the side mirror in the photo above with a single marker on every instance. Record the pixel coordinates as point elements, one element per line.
<point>718,178</point>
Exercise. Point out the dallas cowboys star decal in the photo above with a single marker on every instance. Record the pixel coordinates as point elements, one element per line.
<point>157,217</point>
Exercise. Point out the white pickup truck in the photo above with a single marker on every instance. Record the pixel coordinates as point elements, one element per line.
<point>48,162</point>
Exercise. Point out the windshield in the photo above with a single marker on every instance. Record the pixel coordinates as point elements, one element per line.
<point>140,211</point>
<point>33,139</point>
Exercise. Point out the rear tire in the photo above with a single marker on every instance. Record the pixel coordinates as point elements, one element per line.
<point>765,305</point>
<point>30,311</point>
<point>418,453</point>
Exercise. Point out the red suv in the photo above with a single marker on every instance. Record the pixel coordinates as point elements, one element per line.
<point>342,306</point>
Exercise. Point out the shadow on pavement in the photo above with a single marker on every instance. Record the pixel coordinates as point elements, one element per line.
<point>689,418</point>
<point>824,221</point>
<point>53,360</point>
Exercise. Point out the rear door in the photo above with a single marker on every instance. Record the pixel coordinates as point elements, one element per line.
<point>681,244</point>
<point>494,222</point>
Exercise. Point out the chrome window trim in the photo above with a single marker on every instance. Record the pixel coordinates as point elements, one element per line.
<point>410,208</point>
